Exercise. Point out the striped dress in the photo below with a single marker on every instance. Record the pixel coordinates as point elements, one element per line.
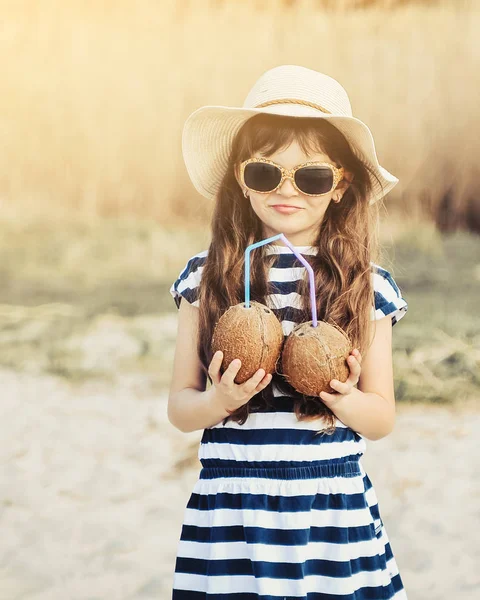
<point>278,512</point>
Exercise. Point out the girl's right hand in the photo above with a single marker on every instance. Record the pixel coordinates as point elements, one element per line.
<point>230,394</point>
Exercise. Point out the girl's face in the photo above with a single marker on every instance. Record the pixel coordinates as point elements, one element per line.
<point>300,226</point>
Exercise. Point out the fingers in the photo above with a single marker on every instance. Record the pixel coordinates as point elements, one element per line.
<point>264,382</point>
<point>354,366</point>
<point>356,353</point>
<point>249,386</point>
<point>339,386</point>
<point>253,385</point>
<point>214,367</point>
<point>327,396</point>
<point>231,372</point>
<point>257,382</point>
<point>354,362</point>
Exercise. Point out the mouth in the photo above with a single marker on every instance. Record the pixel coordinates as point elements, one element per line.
<point>285,208</point>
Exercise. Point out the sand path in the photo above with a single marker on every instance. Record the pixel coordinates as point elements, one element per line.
<point>91,509</point>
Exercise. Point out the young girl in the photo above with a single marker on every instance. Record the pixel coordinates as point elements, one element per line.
<point>283,507</point>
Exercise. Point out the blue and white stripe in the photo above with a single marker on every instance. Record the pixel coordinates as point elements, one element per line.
<point>284,277</point>
<point>280,511</point>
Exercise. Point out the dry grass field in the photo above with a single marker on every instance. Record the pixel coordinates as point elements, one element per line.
<point>94,94</point>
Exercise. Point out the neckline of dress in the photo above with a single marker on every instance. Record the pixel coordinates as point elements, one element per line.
<point>278,249</point>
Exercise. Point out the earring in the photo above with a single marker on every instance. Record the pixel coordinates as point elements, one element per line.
<point>245,193</point>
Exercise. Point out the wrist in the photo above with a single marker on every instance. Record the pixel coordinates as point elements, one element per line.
<point>215,404</point>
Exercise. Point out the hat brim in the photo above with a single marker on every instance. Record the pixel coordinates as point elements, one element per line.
<point>209,132</point>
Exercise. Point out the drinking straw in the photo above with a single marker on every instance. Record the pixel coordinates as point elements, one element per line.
<point>313,303</point>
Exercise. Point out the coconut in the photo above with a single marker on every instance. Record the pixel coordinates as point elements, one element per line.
<point>313,356</point>
<point>254,335</point>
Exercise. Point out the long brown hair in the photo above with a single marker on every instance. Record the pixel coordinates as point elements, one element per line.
<point>346,244</point>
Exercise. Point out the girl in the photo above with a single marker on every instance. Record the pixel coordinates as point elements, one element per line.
<point>283,507</point>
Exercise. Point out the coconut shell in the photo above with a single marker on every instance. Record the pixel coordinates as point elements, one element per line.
<point>254,335</point>
<point>313,356</point>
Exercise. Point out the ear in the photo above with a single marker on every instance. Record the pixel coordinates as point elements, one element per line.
<point>345,183</point>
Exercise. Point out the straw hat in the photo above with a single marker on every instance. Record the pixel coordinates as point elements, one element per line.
<point>289,90</point>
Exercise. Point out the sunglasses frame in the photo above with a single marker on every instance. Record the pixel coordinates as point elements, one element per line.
<point>338,173</point>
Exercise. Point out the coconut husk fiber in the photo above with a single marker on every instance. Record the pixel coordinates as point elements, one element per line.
<point>313,356</point>
<point>254,335</point>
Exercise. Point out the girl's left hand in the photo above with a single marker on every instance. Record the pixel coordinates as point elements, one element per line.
<point>354,362</point>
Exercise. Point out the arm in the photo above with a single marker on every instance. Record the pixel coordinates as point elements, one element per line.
<point>190,406</point>
<point>370,409</point>
<point>190,410</point>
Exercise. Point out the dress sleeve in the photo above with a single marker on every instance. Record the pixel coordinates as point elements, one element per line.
<point>388,297</point>
<point>187,283</point>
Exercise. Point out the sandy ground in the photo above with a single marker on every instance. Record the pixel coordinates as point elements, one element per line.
<point>91,508</point>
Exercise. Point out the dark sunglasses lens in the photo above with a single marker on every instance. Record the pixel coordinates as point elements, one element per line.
<point>314,180</point>
<point>261,176</point>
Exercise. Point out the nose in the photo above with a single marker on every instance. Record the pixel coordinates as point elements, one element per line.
<point>287,188</point>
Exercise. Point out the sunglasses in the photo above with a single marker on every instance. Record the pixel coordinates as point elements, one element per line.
<point>311,178</point>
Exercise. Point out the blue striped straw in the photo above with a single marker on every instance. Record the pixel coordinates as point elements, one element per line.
<point>313,303</point>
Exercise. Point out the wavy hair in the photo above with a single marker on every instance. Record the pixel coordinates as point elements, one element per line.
<point>346,243</point>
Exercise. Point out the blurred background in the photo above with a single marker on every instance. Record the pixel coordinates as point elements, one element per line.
<point>98,217</point>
